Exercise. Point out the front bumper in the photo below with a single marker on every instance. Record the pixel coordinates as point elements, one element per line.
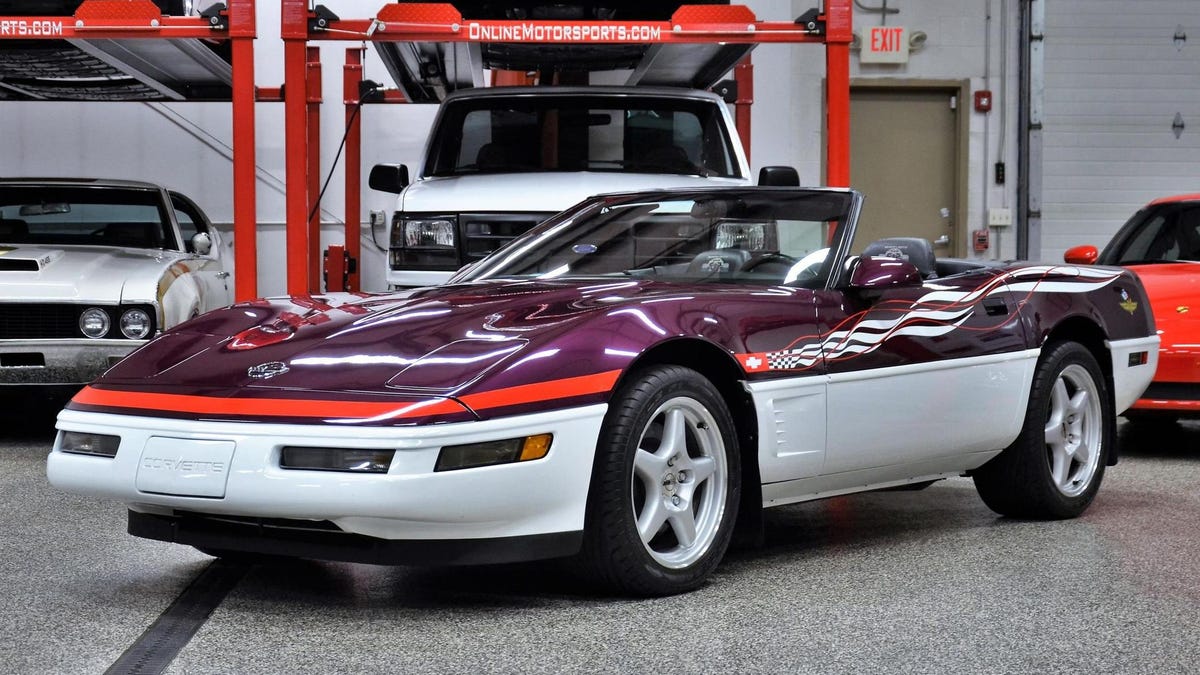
<point>524,510</point>
<point>66,361</point>
<point>1176,385</point>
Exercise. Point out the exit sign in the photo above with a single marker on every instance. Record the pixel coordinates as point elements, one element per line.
<point>885,44</point>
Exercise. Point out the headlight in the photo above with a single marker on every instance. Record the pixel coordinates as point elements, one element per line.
<point>94,322</point>
<point>746,235</point>
<point>427,233</point>
<point>493,452</point>
<point>136,324</point>
<point>89,444</point>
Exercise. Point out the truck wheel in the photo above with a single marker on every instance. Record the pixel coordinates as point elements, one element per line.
<point>1055,466</point>
<point>665,485</point>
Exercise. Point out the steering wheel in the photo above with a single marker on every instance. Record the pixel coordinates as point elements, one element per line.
<point>768,257</point>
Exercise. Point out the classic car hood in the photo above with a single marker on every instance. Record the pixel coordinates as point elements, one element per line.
<point>437,341</point>
<point>1174,292</point>
<point>555,191</point>
<point>81,273</point>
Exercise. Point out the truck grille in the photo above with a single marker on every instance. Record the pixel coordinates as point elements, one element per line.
<point>484,233</point>
<point>33,322</point>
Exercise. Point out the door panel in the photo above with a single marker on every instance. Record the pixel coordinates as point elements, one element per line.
<point>904,157</point>
<point>923,372</point>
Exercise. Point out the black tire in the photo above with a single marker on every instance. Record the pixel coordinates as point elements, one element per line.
<point>1055,476</point>
<point>661,485</point>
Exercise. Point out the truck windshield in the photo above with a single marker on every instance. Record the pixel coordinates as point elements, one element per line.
<point>87,216</point>
<point>582,133</point>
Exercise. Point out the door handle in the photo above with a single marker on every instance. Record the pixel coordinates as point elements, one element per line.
<point>943,240</point>
<point>222,275</point>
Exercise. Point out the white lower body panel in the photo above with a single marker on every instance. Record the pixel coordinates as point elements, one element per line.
<point>1131,376</point>
<point>410,501</point>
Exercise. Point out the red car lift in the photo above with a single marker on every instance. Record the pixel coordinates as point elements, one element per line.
<point>442,23</point>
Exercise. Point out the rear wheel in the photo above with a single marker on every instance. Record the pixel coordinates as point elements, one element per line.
<point>1055,466</point>
<point>665,485</point>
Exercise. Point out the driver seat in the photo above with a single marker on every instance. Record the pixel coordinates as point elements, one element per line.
<point>915,250</point>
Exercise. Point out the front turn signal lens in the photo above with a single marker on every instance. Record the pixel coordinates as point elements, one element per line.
<point>510,450</point>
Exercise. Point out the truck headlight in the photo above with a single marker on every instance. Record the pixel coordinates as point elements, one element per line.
<point>94,322</point>
<point>752,236</point>
<point>427,233</point>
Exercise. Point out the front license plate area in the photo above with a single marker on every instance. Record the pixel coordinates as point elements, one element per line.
<point>184,467</point>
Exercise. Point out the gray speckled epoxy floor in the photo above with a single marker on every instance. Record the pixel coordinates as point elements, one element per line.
<point>925,581</point>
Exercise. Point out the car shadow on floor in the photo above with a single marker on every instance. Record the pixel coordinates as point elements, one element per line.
<point>1159,440</point>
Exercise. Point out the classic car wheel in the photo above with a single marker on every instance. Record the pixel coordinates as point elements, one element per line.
<point>1055,466</point>
<point>665,485</point>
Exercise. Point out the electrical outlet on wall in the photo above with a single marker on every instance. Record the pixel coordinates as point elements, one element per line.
<point>1000,217</point>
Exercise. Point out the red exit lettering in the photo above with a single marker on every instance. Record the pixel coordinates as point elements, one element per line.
<point>886,39</point>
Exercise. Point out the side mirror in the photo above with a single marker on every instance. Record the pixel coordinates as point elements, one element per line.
<point>780,176</point>
<point>201,243</point>
<point>877,273</point>
<point>1082,255</point>
<point>388,178</point>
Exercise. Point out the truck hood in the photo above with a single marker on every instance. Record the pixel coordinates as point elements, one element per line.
<point>81,273</point>
<point>536,192</point>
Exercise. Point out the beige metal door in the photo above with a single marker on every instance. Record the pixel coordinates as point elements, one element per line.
<point>904,154</point>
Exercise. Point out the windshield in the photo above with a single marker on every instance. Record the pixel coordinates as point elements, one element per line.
<point>746,236</point>
<point>1161,233</point>
<point>91,216</point>
<point>593,133</point>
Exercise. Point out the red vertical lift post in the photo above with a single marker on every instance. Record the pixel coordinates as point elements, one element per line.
<point>104,20</point>
<point>434,22</point>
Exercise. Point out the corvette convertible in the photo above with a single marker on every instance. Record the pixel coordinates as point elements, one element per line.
<point>1161,243</point>
<point>624,385</point>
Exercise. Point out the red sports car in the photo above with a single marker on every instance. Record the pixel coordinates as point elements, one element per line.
<point>1161,243</point>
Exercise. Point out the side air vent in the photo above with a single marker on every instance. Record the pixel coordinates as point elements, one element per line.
<point>18,265</point>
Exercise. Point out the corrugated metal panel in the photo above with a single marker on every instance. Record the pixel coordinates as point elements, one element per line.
<point>1114,81</point>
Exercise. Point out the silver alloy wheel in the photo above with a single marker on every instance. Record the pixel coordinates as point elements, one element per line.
<point>680,479</point>
<point>1074,429</point>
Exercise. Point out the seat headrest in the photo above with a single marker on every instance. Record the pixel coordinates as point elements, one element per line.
<point>718,261</point>
<point>915,250</point>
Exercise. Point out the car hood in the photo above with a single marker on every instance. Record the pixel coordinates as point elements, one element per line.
<point>1174,292</point>
<point>536,192</point>
<point>81,273</point>
<point>443,341</point>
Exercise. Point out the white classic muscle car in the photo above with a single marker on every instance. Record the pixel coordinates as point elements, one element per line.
<point>92,269</point>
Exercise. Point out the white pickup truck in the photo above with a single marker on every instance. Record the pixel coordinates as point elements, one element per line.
<point>500,160</point>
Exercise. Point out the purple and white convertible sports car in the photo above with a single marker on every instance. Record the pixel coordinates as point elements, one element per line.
<point>625,384</point>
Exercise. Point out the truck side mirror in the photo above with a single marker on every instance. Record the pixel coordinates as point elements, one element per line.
<point>388,178</point>
<point>779,176</point>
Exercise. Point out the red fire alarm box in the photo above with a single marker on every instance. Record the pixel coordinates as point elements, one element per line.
<point>980,238</point>
<point>983,100</point>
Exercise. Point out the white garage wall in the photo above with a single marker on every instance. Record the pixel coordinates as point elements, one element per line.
<point>1115,80</point>
<point>186,146</point>
<point>789,105</point>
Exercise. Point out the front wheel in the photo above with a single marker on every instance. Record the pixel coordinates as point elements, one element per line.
<point>665,485</point>
<point>1054,468</point>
